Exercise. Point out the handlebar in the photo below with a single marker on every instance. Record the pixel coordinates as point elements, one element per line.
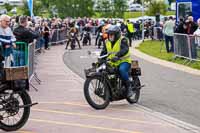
<point>103,56</point>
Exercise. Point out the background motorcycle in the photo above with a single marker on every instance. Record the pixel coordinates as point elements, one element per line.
<point>104,85</point>
<point>73,41</point>
<point>86,36</point>
<point>100,40</point>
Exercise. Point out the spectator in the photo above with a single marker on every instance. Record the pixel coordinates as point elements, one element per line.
<point>168,31</point>
<point>191,25</point>
<point>181,28</point>
<point>130,31</point>
<point>46,33</point>
<point>23,34</point>
<point>197,33</point>
<point>7,39</point>
<point>40,40</point>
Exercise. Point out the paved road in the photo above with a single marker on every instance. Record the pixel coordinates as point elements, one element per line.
<point>168,91</point>
<point>62,107</point>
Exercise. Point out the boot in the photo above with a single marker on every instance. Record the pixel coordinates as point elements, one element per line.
<point>129,88</point>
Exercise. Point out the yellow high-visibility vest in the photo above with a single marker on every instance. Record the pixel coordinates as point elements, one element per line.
<point>131,27</point>
<point>114,50</point>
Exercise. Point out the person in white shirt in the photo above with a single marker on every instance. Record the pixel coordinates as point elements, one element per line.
<point>168,31</point>
<point>197,33</point>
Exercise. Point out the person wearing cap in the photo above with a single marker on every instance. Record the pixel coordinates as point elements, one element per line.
<point>120,55</point>
<point>7,40</point>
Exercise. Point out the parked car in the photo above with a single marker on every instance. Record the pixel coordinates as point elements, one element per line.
<point>3,11</point>
<point>136,7</point>
<point>2,2</point>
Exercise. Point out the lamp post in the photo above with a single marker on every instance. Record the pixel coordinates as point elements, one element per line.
<point>73,8</point>
<point>77,7</point>
<point>143,20</point>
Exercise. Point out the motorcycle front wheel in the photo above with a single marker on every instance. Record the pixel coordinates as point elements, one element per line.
<point>13,116</point>
<point>96,93</point>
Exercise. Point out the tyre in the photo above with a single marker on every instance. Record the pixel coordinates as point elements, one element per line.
<point>73,45</point>
<point>13,110</point>
<point>96,93</point>
<point>85,41</point>
<point>136,89</point>
<point>99,43</point>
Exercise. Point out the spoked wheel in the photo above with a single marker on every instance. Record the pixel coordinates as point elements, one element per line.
<point>136,89</point>
<point>12,116</point>
<point>73,44</point>
<point>99,43</point>
<point>96,93</point>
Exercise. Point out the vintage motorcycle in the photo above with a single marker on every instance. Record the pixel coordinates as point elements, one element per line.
<point>15,104</point>
<point>104,85</point>
<point>73,41</point>
<point>100,41</point>
<point>86,36</point>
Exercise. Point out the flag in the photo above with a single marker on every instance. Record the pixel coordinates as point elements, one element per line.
<point>30,7</point>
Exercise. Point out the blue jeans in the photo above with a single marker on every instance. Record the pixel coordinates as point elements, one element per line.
<point>123,70</point>
<point>19,58</point>
<point>171,40</point>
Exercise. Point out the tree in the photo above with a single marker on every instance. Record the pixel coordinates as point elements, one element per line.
<point>120,6</point>
<point>7,6</point>
<point>74,8</point>
<point>156,7</point>
<point>115,8</point>
<point>104,7</point>
<point>23,10</point>
<point>38,8</point>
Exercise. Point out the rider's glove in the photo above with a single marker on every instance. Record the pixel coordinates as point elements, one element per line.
<point>115,59</point>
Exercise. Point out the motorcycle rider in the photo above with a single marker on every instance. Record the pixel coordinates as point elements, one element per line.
<point>74,30</point>
<point>86,29</point>
<point>101,29</point>
<point>119,51</point>
<point>130,31</point>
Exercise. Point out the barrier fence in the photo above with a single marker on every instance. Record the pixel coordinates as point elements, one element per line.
<point>31,60</point>
<point>187,46</point>
<point>92,29</point>
<point>58,36</point>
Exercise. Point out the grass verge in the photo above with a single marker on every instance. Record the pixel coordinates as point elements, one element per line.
<point>153,48</point>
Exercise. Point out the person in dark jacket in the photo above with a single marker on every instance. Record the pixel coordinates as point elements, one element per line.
<point>181,26</point>
<point>191,25</point>
<point>46,34</point>
<point>73,34</point>
<point>86,29</point>
<point>25,35</point>
<point>98,31</point>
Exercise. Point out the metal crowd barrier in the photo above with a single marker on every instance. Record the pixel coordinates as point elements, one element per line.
<point>187,46</point>
<point>92,29</point>
<point>58,36</point>
<point>20,64</point>
<point>61,35</point>
<point>32,48</point>
<point>31,56</point>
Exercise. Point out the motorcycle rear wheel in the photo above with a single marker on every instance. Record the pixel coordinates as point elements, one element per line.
<point>135,98</point>
<point>25,98</point>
